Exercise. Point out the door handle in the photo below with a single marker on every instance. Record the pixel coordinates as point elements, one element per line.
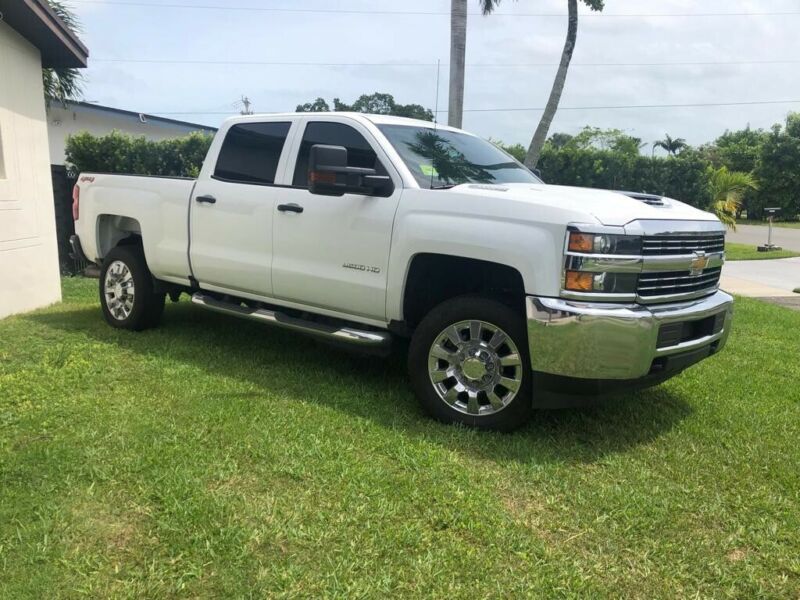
<point>295,208</point>
<point>207,199</point>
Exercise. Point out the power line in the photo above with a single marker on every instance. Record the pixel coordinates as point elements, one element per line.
<point>421,64</point>
<point>637,106</point>
<point>541,108</point>
<point>426,12</point>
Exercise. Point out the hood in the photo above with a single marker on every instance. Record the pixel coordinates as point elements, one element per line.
<point>608,208</point>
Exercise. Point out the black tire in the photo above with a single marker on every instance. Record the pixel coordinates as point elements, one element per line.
<point>147,306</point>
<point>471,308</point>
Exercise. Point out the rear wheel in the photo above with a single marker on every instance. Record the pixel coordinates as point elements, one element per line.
<point>469,364</point>
<point>127,293</point>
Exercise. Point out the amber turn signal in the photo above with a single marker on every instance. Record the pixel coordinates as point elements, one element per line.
<point>581,242</point>
<point>579,282</point>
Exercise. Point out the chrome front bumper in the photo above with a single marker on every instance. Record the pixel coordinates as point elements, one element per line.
<point>614,341</point>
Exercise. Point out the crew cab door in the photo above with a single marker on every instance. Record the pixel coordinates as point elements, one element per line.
<point>335,253</point>
<point>232,208</point>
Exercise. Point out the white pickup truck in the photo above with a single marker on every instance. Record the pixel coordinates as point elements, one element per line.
<point>362,228</point>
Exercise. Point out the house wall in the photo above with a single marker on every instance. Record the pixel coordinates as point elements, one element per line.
<point>62,122</point>
<point>29,275</point>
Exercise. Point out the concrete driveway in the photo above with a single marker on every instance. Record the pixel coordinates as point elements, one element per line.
<point>756,235</point>
<point>762,278</point>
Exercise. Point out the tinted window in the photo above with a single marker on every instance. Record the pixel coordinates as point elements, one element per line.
<point>251,151</point>
<point>440,158</point>
<point>359,152</point>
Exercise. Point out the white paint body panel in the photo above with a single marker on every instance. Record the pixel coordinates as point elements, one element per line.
<point>298,260</point>
<point>311,249</point>
<point>158,205</point>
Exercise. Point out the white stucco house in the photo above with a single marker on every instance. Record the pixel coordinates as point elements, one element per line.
<point>73,117</point>
<point>31,37</point>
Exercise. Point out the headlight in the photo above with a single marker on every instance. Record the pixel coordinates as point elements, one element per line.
<point>604,282</point>
<point>601,265</point>
<point>604,243</point>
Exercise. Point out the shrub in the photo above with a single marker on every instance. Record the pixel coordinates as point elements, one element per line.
<point>125,154</point>
<point>685,177</point>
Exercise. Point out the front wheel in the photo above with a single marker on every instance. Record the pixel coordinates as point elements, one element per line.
<point>469,364</point>
<point>127,293</point>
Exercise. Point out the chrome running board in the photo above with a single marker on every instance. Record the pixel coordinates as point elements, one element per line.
<point>346,335</point>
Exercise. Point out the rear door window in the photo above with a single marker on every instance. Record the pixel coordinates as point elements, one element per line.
<point>251,152</point>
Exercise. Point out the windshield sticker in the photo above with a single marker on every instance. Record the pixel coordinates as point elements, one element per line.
<point>429,170</point>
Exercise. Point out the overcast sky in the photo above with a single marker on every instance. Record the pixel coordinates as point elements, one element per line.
<point>518,34</point>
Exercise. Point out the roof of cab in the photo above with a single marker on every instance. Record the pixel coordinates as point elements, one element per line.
<point>376,119</point>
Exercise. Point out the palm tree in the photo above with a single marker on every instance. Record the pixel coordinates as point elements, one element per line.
<point>727,190</point>
<point>458,49</point>
<point>540,136</point>
<point>61,83</point>
<point>671,145</point>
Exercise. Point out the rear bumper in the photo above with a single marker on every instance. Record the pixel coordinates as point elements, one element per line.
<point>617,343</point>
<point>77,249</point>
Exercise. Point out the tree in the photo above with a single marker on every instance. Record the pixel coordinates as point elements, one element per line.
<point>540,135</point>
<point>62,83</point>
<point>559,140</point>
<point>778,172</point>
<point>318,105</point>
<point>672,146</point>
<point>738,151</point>
<point>377,104</point>
<point>458,49</point>
<point>727,190</point>
<point>516,150</point>
<point>615,140</point>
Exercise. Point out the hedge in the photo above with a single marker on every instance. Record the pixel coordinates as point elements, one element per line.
<point>685,177</point>
<point>125,154</point>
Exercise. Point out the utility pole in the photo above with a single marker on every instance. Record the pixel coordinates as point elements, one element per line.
<point>246,104</point>
<point>458,48</point>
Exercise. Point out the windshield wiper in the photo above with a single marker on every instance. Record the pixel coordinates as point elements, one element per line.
<point>444,187</point>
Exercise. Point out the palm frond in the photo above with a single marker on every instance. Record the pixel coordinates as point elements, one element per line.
<point>62,84</point>
<point>488,6</point>
<point>728,189</point>
<point>64,12</point>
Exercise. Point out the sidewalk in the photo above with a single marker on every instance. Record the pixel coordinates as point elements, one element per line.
<point>769,280</point>
<point>762,278</point>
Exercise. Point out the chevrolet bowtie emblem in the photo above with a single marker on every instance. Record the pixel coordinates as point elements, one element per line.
<point>699,263</point>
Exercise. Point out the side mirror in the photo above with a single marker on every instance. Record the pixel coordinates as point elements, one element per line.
<point>538,173</point>
<point>329,175</point>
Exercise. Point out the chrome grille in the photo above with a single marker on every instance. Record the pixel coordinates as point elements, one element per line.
<point>670,283</point>
<point>665,245</point>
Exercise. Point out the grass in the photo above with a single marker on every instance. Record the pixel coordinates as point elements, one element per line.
<point>787,224</point>
<point>746,252</point>
<point>216,458</point>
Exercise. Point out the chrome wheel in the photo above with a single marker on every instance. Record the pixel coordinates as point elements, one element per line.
<point>475,367</point>
<point>119,290</point>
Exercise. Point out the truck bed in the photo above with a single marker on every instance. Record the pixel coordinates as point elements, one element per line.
<point>157,208</point>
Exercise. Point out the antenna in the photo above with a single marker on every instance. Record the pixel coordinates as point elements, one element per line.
<point>436,109</point>
<point>435,118</point>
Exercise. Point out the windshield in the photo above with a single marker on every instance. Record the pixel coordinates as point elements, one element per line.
<point>440,158</point>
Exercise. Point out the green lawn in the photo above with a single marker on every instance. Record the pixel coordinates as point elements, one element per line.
<point>745,252</point>
<point>217,458</point>
<point>789,224</point>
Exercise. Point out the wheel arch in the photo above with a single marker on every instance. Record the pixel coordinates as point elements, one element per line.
<point>433,278</point>
<point>116,230</point>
